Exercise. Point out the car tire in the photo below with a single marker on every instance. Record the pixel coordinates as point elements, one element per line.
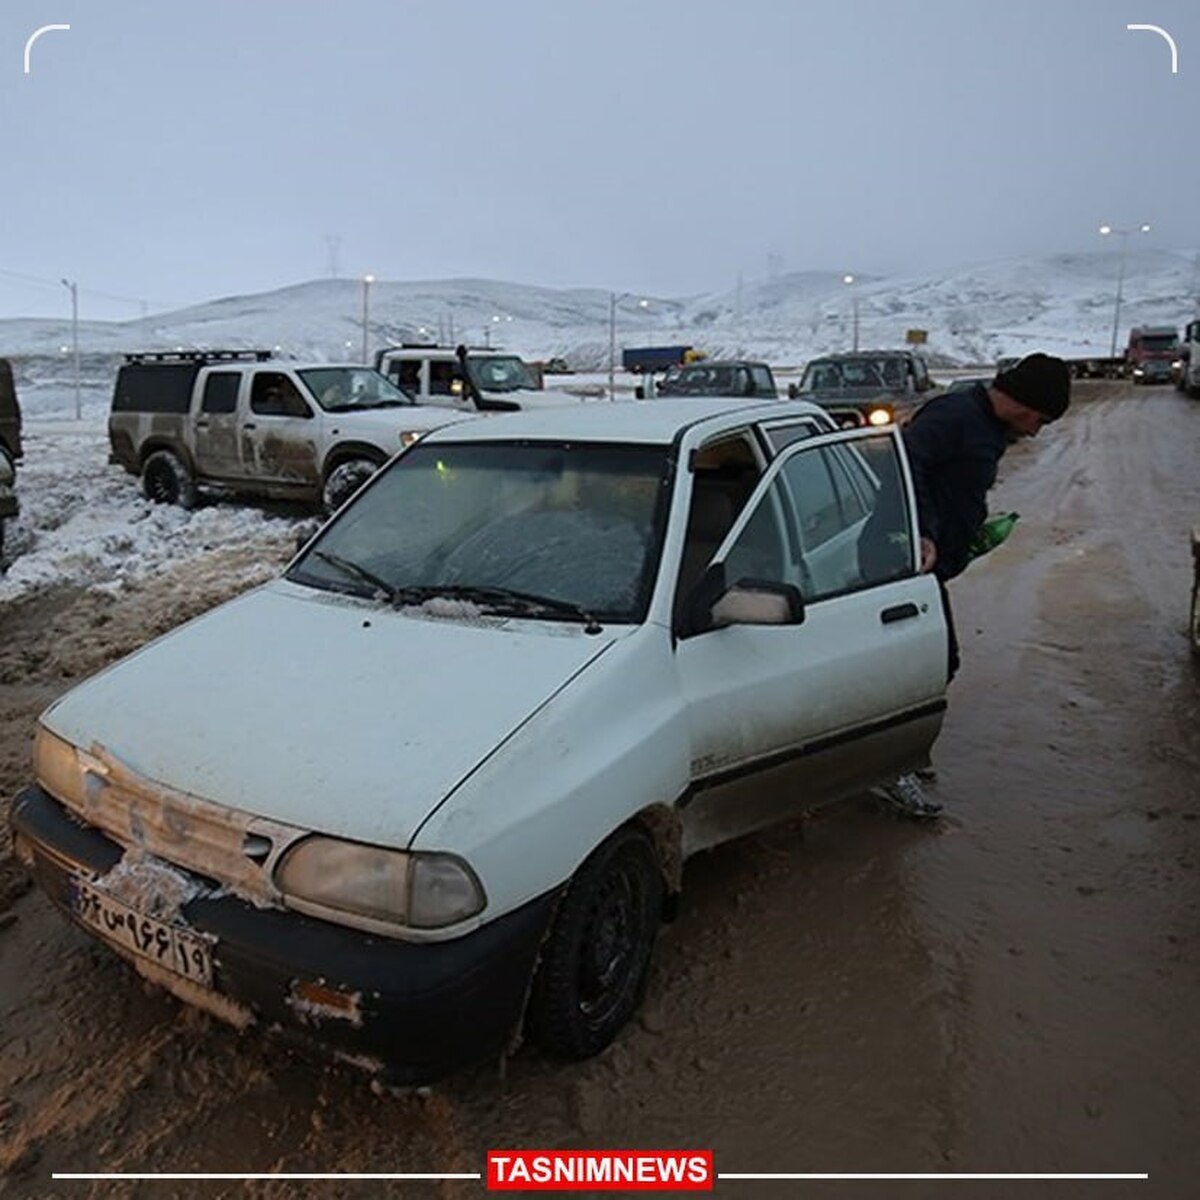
<point>166,480</point>
<point>595,961</point>
<point>344,480</point>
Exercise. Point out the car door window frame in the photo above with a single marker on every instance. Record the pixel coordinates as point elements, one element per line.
<point>810,445</point>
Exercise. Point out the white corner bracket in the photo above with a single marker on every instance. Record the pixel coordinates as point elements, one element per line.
<point>33,37</point>
<point>1167,38</point>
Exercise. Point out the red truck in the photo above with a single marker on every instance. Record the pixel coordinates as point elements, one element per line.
<point>1151,351</point>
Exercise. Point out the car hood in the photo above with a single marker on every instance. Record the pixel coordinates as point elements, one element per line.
<point>529,398</point>
<point>387,424</point>
<point>322,711</point>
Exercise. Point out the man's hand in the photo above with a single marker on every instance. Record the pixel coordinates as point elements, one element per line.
<point>928,555</point>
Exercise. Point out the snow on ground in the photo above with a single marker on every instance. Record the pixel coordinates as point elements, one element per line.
<point>84,523</point>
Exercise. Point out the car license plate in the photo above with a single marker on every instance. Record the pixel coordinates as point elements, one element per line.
<point>179,950</point>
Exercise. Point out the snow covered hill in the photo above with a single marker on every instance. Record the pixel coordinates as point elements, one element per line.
<point>1062,303</point>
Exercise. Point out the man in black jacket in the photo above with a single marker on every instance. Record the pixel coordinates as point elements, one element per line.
<point>954,445</point>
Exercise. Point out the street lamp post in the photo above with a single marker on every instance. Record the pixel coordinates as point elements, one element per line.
<point>613,297</point>
<point>367,280</point>
<point>73,288</point>
<point>1124,236</point>
<point>848,280</point>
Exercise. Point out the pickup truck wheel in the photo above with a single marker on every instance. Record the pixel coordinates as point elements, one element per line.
<point>166,480</point>
<point>344,480</point>
<point>595,962</point>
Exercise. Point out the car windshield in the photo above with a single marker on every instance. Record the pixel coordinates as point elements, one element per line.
<point>535,529</point>
<point>711,379</point>
<point>1159,341</point>
<point>852,373</point>
<point>339,389</point>
<point>502,373</point>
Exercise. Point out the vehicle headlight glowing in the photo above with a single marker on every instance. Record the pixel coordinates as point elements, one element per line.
<point>58,768</point>
<point>879,416</point>
<point>331,877</point>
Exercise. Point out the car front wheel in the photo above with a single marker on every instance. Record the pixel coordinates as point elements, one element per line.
<point>344,480</point>
<point>595,963</point>
<point>166,480</point>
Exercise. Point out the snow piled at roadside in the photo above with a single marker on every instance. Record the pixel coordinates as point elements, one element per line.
<point>85,524</point>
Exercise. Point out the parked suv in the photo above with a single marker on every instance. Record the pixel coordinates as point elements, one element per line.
<point>723,378</point>
<point>468,379</point>
<point>870,387</point>
<point>10,445</point>
<point>240,421</point>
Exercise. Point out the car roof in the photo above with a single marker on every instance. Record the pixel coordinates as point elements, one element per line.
<point>843,355</point>
<point>723,362</point>
<point>644,421</point>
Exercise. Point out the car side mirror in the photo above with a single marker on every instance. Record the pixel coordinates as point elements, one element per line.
<point>714,605</point>
<point>759,602</point>
<point>793,391</point>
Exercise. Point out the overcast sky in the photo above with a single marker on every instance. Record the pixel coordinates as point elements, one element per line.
<point>171,152</point>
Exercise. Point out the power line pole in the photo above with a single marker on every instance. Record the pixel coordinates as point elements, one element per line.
<point>73,288</point>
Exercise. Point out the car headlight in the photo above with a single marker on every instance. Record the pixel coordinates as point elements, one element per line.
<point>409,436</point>
<point>330,877</point>
<point>58,767</point>
<point>1176,364</point>
<point>879,416</point>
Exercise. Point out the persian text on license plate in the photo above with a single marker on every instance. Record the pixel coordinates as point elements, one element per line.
<point>178,950</point>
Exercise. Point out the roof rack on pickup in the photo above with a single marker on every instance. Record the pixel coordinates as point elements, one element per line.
<point>199,356</point>
<point>436,346</point>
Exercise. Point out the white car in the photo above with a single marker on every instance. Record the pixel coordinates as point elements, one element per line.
<point>434,787</point>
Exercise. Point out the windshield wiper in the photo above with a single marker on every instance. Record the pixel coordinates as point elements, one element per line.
<point>498,597</point>
<point>361,573</point>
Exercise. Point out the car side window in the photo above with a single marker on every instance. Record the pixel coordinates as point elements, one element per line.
<point>273,394</point>
<point>779,437</point>
<point>221,392</point>
<point>764,385</point>
<point>854,535</point>
<point>833,519</point>
<point>441,378</point>
<point>816,499</point>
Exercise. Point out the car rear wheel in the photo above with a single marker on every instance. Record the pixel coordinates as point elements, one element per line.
<point>166,480</point>
<point>595,963</point>
<point>344,480</point>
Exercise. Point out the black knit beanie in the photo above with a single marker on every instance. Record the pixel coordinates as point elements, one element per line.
<point>1039,382</point>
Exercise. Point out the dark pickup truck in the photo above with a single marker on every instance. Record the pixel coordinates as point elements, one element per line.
<point>871,387</point>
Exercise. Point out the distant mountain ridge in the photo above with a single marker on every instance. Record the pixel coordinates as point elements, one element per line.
<point>1062,304</point>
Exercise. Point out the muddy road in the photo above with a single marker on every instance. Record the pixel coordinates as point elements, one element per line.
<point>1014,990</point>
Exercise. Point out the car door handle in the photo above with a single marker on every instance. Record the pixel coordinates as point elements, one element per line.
<point>249,425</point>
<point>898,612</point>
<point>201,424</point>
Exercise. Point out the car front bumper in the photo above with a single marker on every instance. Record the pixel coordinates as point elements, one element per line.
<point>411,1012</point>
